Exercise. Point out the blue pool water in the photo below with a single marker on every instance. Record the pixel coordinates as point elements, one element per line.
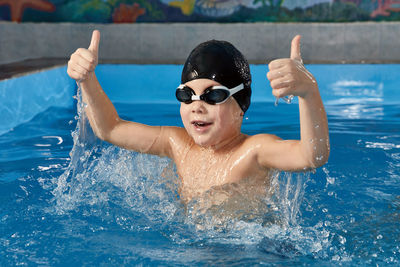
<point>68,199</point>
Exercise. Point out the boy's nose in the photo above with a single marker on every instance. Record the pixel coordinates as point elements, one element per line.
<point>198,106</point>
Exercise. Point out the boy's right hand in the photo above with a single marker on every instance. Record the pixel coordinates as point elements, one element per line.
<point>83,62</point>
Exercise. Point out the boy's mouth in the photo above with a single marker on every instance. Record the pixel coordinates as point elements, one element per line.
<point>200,125</point>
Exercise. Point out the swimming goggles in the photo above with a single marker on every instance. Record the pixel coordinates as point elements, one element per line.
<point>217,94</point>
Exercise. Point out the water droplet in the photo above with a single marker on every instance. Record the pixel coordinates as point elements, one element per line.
<point>379,237</point>
<point>319,158</point>
<point>342,240</point>
<point>336,258</point>
<point>316,126</point>
<point>324,210</point>
<point>330,180</point>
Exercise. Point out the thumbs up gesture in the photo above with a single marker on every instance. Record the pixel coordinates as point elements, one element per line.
<point>83,62</point>
<point>288,76</point>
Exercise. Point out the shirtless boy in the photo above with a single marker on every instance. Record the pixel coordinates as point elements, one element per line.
<point>210,150</point>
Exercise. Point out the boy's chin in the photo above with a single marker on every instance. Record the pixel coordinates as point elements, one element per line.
<point>203,141</point>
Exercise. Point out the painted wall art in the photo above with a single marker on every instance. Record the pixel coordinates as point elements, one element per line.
<point>136,11</point>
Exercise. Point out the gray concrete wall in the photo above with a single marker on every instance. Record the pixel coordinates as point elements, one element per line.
<point>171,43</point>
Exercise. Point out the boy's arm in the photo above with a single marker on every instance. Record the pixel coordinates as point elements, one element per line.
<point>101,113</point>
<point>290,77</point>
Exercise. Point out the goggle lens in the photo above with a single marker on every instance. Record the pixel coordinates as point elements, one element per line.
<point>215,96</point>
<point>184,95</point>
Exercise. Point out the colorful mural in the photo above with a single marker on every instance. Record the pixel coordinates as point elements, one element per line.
<point>131,11</point>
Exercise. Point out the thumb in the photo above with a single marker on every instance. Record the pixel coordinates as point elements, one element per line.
<point>295,48</point>
<point>94,43</point>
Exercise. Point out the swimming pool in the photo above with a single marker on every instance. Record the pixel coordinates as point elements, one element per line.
<point>73,200</point>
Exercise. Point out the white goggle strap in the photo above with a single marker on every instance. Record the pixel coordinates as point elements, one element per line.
<point>236,89</point>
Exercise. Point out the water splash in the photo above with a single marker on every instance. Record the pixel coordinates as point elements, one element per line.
<point>288,99</point>
<point>98,173</point>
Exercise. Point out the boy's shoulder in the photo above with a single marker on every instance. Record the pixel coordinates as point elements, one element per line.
<point>174,138</point>
<point>260,139</point>
<point>252,145</point>
<point>176,133</point>
<point>258,144</point>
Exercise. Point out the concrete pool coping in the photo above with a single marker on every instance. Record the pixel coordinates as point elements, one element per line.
<point>28,66</point>
<point>27,47</point>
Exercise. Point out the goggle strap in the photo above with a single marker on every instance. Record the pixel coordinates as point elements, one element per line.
<point>195,97</point>
<point>236,89</point>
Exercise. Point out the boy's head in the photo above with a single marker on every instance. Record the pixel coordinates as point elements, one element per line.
<point>222,62</point>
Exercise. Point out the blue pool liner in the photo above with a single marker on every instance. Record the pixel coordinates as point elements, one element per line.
<point>24,97</point>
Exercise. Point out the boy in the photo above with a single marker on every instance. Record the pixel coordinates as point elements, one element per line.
<point>210,151</point>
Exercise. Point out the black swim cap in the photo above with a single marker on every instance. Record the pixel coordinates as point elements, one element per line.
<point>222,62</point>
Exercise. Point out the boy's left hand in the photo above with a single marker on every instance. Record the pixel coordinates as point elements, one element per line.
<point>288,76</point>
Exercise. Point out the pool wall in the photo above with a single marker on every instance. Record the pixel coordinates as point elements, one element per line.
<point>151,43</point>
<point>23,98</point>
<point>140,84</point>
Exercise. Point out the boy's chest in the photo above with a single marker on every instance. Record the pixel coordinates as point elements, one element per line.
<point>201,170</point>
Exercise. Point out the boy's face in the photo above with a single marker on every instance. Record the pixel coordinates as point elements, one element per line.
<point>211,125</point>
